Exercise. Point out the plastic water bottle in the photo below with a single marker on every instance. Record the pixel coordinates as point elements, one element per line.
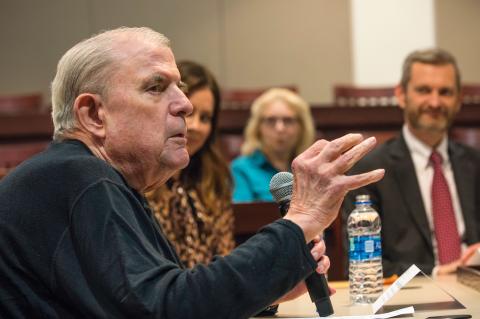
<point>365,254</point>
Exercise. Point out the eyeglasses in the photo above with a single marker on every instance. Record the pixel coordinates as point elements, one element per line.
<point>271,121</point>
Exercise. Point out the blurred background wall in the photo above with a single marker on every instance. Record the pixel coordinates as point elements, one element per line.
<point>312,44</point>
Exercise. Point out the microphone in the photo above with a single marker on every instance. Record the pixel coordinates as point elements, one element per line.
<point>281,187</point>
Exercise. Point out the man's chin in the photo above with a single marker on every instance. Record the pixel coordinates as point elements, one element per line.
<point>185,164</point>
<point>434,128</point>
<point>181,160</point>
<point>432,124</point>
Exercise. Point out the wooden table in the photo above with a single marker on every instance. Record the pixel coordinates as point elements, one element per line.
<point>420,291</point>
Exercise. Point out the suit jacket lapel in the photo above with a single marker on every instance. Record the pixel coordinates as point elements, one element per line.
<point>464,174</point>
<point>406,178</point>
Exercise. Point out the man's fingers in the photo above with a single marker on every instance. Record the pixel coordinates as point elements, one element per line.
<point>342,152</point>
<point>313,150</point>
<point>318,250</point>
<point>330,150</point>
<point>353,155</point>
<point>323,265</point>
<point>448,268</point>
<point>337,147</point>
<point>317,238</point>
<point>332,290</point>
<point>320,184</point>
<point>469,252</point>
<point>356,181</point>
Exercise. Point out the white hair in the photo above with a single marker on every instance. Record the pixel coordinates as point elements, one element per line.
<point>87,67</point>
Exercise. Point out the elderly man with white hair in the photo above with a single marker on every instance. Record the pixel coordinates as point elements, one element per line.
<point>82,241</point>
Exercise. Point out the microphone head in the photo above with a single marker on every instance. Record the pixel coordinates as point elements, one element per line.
<point>281,187</point>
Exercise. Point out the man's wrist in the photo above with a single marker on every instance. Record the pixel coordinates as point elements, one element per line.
<point>310,226</point>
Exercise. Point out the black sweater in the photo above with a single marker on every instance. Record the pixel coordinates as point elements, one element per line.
<point>78,242</point>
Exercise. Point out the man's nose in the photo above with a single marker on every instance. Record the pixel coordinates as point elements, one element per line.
<point>182,105</point>
<point>434,99</point>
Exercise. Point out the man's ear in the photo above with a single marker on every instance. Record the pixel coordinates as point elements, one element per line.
<point>400,94</point>
<point>89,112</point>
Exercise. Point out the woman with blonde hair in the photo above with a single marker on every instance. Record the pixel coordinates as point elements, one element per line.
<point>194,207</point>
<point>280,127</point>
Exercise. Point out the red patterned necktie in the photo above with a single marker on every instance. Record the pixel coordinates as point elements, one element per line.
<point>446,231</point>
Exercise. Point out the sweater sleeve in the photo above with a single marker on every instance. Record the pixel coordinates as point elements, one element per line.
<point>131,275</point>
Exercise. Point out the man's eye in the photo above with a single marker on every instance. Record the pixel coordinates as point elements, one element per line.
<point>423,90</point>
<point>446,92</point>
<point>157,88</point>
<point>183,87</point>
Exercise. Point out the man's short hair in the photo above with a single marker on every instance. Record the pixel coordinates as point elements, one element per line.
<point>87,68</point>
<point>434,56</point>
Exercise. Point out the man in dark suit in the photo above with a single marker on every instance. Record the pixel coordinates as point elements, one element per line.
<point>407,200</point>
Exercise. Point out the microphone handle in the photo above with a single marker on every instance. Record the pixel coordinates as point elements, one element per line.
<point>316,283</point>
<point>319,293</point>
<point>284,206</point>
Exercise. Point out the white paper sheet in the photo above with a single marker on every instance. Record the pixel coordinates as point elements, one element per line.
<point>395,287</point>
<point>384,298</point>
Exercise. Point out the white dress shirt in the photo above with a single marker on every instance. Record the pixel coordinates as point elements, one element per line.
<point>420,153</point>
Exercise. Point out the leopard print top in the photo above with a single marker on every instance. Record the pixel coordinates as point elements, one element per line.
<point>196,233</point>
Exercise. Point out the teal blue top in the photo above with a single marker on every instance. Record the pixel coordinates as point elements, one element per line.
<point>251,176</point>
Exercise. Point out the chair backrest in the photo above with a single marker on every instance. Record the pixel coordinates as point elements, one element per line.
<point>251,217</point>
<point>13,154</point>
<point>243,98</point>
<point>230,145</point>
<point>15,104</point>
<point>348,95</point>
<point>466,135</point>
<point>3,172</point>
<point>471,93</point>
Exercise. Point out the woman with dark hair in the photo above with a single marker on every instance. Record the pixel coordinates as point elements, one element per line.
<point>194,207</point>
